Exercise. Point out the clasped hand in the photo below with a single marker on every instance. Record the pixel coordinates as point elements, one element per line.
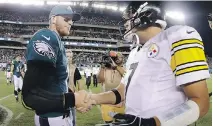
<point>83,101</point>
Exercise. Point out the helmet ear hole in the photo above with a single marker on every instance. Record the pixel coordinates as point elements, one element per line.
<point>137,21</point>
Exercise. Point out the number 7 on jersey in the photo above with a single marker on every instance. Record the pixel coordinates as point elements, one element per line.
<point>133,68</point>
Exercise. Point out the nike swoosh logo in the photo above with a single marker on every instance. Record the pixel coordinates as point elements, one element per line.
<point>189,32</point>
<point>47,38</point>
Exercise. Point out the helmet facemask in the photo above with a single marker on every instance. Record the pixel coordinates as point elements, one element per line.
<point>129,24</point>
<point>142,18</point>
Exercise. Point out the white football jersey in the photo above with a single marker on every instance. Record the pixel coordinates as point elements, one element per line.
<point>95,70</point>
<point>129,61</point>
<point>88,72</point>
<point>156,72</point>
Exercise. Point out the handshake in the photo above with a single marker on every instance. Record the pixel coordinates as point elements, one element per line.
<point>84,101</point>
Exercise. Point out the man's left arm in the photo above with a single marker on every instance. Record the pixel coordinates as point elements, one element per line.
<point>191,71</point>
<point>198,92</point>
<point>189,112</point>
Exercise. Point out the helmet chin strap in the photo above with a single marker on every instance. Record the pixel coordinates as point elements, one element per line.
<point>135,41</point>
<point>133,38</point>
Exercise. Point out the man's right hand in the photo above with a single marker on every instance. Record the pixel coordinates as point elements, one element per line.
<point>83,101</point>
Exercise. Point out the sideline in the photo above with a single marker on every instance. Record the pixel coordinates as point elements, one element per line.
<point>8,118</point>
<point>6,97</point>
<point>19,115</point>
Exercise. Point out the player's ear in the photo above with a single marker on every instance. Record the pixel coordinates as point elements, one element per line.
<point>53,20</point>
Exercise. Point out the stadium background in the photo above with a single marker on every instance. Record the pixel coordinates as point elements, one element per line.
<point>96,33</point>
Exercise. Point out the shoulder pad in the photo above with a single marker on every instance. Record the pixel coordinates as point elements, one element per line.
<point>178,33</point>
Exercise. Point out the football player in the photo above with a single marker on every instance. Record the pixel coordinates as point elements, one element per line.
<point>88,73</point>
<point>165,82</point>
<point>8,69</point>
<point>45,87</point>
<point>17,71</point>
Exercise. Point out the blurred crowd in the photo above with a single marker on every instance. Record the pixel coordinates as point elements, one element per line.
<point>7,55</point>
<point>43,17</point>
<point>84,56</point>
<point>101,20</point>
<point>79,58</point>
<point>14,30</point>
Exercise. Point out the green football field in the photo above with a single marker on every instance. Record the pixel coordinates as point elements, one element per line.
<point>23,117</point>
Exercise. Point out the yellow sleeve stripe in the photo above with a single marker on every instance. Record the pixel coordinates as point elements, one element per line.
<point>191,69</point>
<point>185,48</point>
<point>187,55</point>
<point>201,61</point>
<point>186,41</point>
<point>188,64</point>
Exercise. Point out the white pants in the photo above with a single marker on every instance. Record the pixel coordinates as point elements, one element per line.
<point>55,121</point>
<point>8,75</point>
<point>18,82</point>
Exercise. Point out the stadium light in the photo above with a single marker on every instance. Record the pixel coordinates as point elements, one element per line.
<point>72,3</point>
<point>32,2</point>
<point>99,6</point>
<point>3,1</point>
<point>14,1</point>
<point>66,3</point>
<point>176,15</point>
<point>52,2</point>
<point>95,5</point>
<point>112,7</point>
<point>102,6</point>
<point>84,4</point>
<point>122,9</point>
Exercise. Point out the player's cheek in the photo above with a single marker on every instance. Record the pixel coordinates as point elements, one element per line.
<point>65,31</point>
<point>68,31</point>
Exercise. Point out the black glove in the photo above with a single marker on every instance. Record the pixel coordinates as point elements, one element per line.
<point>132,120</point>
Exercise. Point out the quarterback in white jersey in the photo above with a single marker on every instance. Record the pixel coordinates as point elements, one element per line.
<point>165,81</point>
<point>158,71</point>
